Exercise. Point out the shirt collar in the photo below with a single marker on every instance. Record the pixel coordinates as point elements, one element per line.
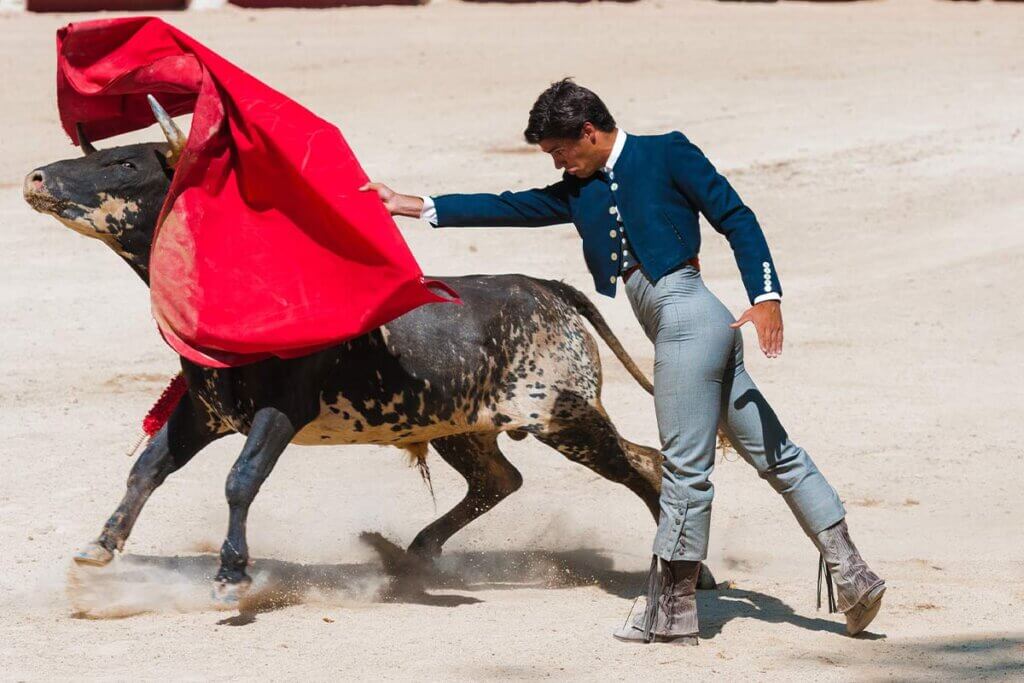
<point>620,142</point>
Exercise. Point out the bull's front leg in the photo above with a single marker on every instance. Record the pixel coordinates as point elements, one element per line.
<point>184,435</point>
<point>270,433</point>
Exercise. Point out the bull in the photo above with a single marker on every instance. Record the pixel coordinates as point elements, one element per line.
<point>516,358</point>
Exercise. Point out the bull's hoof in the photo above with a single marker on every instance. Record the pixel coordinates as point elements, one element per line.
<point>229,595</point>
<point>93,555</point>
<point>424,553</point>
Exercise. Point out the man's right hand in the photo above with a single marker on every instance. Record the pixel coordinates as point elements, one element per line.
<point>398,204</point>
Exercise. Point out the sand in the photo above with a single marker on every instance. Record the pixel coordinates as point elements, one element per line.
<point>880,144</point>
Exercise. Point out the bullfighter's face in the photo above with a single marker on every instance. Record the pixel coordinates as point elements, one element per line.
<point>581,157</point>
<point>112,195</point>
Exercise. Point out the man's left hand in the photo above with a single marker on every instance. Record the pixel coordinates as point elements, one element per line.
<point>767,319</point>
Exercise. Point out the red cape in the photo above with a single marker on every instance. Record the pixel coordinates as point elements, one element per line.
<point>264,247</point>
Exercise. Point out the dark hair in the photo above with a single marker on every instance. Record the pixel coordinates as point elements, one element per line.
<point>561,111</point>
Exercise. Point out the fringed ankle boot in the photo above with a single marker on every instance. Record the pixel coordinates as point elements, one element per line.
<point>853,588</point>
<point>671,614</point>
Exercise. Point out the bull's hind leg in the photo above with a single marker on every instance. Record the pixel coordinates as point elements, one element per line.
<point>584,434</point>
<point>184,435</point>
<point>489,476</point>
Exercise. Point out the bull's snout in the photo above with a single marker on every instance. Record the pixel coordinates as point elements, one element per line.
<point>38,195</point>
<point>35,182</point>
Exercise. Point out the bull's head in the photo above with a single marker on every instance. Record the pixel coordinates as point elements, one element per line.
<point>113,195</point>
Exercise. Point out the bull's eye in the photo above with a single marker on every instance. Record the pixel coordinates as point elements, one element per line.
<point>128,164</point>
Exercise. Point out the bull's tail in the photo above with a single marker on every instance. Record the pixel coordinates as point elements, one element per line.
<point>585,307</point>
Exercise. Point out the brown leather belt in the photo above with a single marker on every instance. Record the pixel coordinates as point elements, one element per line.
<point>695,262</point>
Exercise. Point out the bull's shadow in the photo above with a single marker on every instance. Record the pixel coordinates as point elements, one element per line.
<point>398,578</point>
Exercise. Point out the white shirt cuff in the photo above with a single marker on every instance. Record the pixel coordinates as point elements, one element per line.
<point>429,212</point>
<point>769,296</point>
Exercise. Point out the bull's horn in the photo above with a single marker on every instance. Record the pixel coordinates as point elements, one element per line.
<point>174,136</point>
<point>83,141</point>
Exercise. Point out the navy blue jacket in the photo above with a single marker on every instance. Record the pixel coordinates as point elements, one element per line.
<point>662,182</point>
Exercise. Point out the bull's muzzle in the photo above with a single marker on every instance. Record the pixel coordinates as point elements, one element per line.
<point>34,185</point>
<point>37,195</point>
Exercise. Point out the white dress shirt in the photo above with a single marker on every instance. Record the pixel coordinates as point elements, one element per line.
<point>429,211</point>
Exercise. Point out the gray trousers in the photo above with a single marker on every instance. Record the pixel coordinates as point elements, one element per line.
<point>701,384</point>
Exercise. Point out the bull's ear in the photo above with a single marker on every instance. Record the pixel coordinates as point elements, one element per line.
<point>164,159</point>
<point>83,141</point>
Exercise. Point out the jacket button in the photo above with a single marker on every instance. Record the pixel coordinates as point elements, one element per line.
<point>612,279</point>
<point>615,257</point>
<point>612,233</point>
<point>615,186</point>
<point>612,210</point>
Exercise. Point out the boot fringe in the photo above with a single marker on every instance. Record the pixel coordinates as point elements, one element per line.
<point>654,580</point>
<point>823,574</point>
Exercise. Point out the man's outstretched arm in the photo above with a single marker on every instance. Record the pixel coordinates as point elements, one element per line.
<point>529,208</point>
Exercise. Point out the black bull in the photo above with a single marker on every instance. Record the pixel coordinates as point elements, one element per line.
<point>515,358</point>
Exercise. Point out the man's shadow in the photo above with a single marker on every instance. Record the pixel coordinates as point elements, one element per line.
<point>401,578</point>
<point>719,607</point>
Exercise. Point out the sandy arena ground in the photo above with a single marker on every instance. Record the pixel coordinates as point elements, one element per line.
<point>881,145</point>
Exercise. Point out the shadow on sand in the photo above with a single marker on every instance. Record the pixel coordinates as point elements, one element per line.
<point>136,584</point>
